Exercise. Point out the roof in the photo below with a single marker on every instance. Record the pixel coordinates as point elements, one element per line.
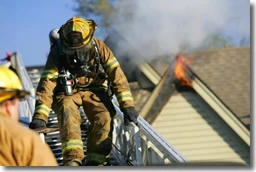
<point>226,72</point>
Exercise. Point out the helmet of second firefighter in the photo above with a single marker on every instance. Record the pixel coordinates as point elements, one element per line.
<point>10,85</point>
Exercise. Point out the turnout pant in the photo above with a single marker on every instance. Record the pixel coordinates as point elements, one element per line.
<point>99,111</point>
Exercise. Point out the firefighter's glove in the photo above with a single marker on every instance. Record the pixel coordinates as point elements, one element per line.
<point>37,123</point>
<point>130,115</point>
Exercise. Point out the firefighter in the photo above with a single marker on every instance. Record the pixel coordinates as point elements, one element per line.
<point>79,71</point>
<point>20,146</point>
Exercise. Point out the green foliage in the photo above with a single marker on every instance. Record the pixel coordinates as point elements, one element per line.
<point>103,10</point>
<point>245,41</point>
<point>217,40</point>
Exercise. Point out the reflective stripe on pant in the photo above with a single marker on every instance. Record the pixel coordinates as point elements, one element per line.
<point>69,119</point>
<point>99,110</point>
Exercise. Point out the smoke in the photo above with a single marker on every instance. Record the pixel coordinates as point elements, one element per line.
<point>161,27</point>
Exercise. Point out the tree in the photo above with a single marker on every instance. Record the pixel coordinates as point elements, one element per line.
<point>215,41</point>
<point>245,41</point>
<point>101,10</point>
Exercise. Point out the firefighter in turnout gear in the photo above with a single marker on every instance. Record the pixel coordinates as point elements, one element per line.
<point>20,146</point>
<point>79,71</point>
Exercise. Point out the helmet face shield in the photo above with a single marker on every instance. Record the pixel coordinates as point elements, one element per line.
<point>83,49</point>
<point>74,39</point>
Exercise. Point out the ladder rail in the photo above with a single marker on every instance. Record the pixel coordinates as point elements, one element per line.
<point>27,105</point>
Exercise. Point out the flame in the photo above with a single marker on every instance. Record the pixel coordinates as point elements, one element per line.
<point>180,71</point>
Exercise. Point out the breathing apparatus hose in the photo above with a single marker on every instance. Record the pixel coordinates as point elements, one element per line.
<point>97,63</point>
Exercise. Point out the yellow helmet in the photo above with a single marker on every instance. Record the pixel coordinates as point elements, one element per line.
<point>10,85</point>
<point>77,32</point>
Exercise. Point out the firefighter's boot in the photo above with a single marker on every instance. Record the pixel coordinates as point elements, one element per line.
<point>73,163</point>
<point>91,163</point>
<point>94,163</point>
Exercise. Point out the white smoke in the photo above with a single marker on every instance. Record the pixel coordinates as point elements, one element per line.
<point>160,27</point>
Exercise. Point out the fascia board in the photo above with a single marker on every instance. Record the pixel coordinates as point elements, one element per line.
<point>150,73</point>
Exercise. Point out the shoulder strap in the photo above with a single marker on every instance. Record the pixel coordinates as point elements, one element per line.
<point>61,56</point>
<point>98,56</point>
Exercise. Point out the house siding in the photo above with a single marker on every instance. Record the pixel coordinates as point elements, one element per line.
<point>192,127</point>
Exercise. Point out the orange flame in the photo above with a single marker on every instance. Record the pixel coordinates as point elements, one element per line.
<point>180,71</point>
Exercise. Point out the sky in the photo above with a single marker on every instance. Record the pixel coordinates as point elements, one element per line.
<point>25,24</point>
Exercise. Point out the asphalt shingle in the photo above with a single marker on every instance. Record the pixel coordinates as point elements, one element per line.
<point>226,72</point>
